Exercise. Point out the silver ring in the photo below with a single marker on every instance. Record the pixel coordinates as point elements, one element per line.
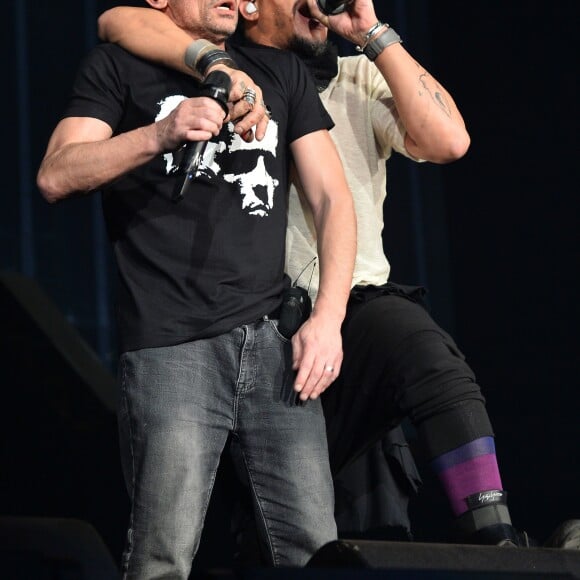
<point>249,95</point>
<point>329,369</point>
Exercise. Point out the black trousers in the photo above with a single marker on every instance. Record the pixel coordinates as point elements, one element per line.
<point>399,363</point>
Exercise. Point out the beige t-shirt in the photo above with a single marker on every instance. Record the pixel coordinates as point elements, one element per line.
<point>367,129</point>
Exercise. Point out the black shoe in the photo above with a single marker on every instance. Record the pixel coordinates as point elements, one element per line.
<point>504,535</point>
<point>566,536</point>
<point>488,522</point>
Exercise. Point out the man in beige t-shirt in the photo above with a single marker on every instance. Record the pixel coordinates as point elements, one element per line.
<point>398,363</point>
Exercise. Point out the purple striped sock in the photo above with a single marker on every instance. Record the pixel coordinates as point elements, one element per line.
<point>469,469</point>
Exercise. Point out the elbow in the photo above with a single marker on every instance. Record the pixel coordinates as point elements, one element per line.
<point>48,187</point>
<point>103,26</point>
<point>455,149</point>
<point>459,146</point>
<point>452,148</point>
<point>440,147</point>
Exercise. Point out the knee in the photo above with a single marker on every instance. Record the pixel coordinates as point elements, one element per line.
<point>434,376</point>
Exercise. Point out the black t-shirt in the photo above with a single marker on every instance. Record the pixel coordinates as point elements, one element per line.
<point>214,260</point>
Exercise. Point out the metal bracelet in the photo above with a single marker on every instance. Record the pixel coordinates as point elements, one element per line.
<point>370,33</point>
<point>380,41</point>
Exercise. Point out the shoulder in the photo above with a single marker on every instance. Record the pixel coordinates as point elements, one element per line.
<point>113,55</point>
<point>246,47</point>
<point>108,51</point>
<point>283,62</point>
<point>360,71</point>
<point>105,61</point>
<point>110,64</point>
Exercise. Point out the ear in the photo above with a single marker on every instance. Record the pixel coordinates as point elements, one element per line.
<point>157,4</point>
<point>249,10</point>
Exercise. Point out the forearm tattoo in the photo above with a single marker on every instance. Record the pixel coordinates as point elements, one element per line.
<point>436,96</point>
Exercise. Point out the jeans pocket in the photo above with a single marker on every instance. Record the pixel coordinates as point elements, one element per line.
<point>274,325</point>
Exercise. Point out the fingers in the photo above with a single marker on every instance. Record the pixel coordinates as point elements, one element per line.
<point>317,13</point>
<point>248,111</point>
<point>317,357</point>
<point>203,115</point>
<point>249,117</point>
<point>240,82</point>
<point>314,377</point>
<point>262,123</point>
<point>196,119</point>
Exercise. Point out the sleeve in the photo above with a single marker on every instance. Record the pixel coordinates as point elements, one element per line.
<point>387,125</point>
<point>97,90</point>
<point>306,112</point>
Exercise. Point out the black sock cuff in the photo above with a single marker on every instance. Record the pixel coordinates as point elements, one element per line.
<point>487,508</point>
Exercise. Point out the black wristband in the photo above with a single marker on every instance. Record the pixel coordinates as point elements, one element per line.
<point>207,60</point>
<point>202,54</point>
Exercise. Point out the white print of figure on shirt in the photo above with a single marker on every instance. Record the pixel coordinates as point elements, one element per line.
<point>256,186</point>
<point>249,184</point>
<point>165,107</point>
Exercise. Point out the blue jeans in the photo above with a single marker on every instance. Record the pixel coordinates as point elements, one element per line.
<point>178,406</point>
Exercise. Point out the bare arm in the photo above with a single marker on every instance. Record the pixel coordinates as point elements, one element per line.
<point>318,343</point>
<point>147,32</point>
<point>435,128</point>
<point>152,35</point>
<point>82,155</point>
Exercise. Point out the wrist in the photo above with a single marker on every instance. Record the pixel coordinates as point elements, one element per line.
<point>359,37</point>
<point>368,33</point>
<point>222,65</point>
<point>376,39</point>
<point>332,310</point>
<point>201,56</point>
<point>153,139</point>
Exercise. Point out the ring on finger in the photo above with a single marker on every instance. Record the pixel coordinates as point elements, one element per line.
<point>249,95</point>
<point>329,369</point>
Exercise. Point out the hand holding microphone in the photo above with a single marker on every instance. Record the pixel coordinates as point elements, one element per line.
<point>216,86</point>
<point>332,7</point>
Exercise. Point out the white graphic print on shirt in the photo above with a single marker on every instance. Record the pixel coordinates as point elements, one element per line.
<point>256,186</point>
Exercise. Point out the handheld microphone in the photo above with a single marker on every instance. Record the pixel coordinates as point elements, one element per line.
<point>216,86</point>
<point>332,7</point>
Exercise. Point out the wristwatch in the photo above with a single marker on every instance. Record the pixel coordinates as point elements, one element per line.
<point>374,47</point>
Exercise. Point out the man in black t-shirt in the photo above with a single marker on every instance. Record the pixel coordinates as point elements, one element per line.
<point>398,361</point>
<point>201,283</point>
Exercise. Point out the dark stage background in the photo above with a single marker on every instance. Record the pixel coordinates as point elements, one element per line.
<point>493,236</point>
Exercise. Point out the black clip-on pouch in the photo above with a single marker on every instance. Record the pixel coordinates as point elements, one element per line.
<point>294,311</point>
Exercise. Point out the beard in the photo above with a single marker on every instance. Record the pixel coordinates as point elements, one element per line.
<point>216,33</point>
<point>321,58</point>
<point>308,50</point>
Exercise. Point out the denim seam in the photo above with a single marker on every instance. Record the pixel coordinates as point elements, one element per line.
<point>205,507</point>
<point>269,538</point>
<point>245,359</point>
<point>239,377</point>
<point>125,402</point>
